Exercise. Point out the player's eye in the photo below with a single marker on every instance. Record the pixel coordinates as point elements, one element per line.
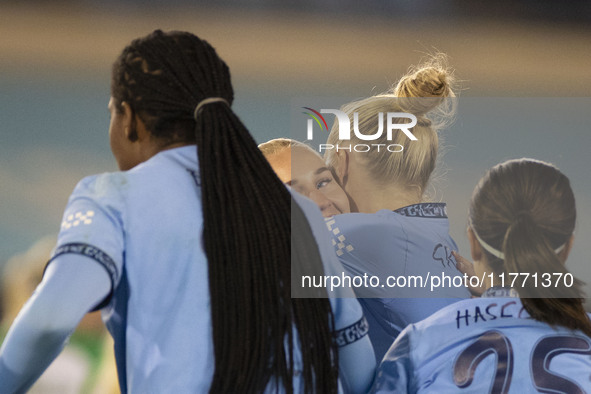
<point>323,183</point>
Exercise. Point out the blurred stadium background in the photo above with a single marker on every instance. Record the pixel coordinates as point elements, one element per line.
<point>55,60</point>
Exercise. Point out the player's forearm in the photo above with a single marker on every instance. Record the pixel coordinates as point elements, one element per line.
<point>357,365</point>
<point>37,336</point>
<point>26,353</point>
<point>72,286</point>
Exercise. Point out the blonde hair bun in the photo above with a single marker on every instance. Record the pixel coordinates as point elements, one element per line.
<point>425,86</point>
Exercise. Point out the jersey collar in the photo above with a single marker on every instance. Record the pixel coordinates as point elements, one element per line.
<point>500,292</point>
<point>424,210</point>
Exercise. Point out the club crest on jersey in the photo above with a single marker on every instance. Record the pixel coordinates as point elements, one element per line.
<point>77,219</point>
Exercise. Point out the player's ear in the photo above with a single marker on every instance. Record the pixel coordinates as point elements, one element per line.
<point>141,132</point>
<point>129,122</point>
<point>475,248</point>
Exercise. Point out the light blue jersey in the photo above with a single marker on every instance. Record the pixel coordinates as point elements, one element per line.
<point>486,345</point>
<point>144,226</point>
<point>411,242</point>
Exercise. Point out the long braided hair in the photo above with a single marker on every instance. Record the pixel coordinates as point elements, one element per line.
<point>248,219</point>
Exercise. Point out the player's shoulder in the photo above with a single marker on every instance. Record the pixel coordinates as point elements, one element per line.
<point>442,317</point>
<point>470,309</point>
<point>101,185</point>
<point>369,233</point>
<point>105,190</point>
<point>455,316</point>
<point>116,183</point>
<point>361,222</point>
<point>458,322</point>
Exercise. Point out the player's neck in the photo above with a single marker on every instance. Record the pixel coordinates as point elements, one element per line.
<point>151,149</point>
<point>371,203</point>
<point>370,197</point>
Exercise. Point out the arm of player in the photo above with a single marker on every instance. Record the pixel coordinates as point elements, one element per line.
<point>72,286</point>
<point>357,365</point>
<point>394,374</point>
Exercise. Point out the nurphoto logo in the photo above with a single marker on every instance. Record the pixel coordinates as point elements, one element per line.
<point>344,124</point>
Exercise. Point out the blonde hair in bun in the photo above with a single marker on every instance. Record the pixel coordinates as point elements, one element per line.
<point>425,92</point>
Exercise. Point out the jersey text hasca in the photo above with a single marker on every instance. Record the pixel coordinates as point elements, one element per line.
<point>494,310</point>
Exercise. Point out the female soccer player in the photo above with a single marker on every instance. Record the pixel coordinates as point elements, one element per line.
<point>396,237</point>
<point>302,168</point>
<point>188,258</point>
<point>533,337</point>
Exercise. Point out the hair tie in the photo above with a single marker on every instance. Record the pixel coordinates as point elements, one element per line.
<point>519,216</point>
<point>206,101</point>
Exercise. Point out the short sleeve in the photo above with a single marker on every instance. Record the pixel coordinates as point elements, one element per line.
<point>92,224</point>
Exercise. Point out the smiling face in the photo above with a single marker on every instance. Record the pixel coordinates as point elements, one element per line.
<point>307,174</point>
